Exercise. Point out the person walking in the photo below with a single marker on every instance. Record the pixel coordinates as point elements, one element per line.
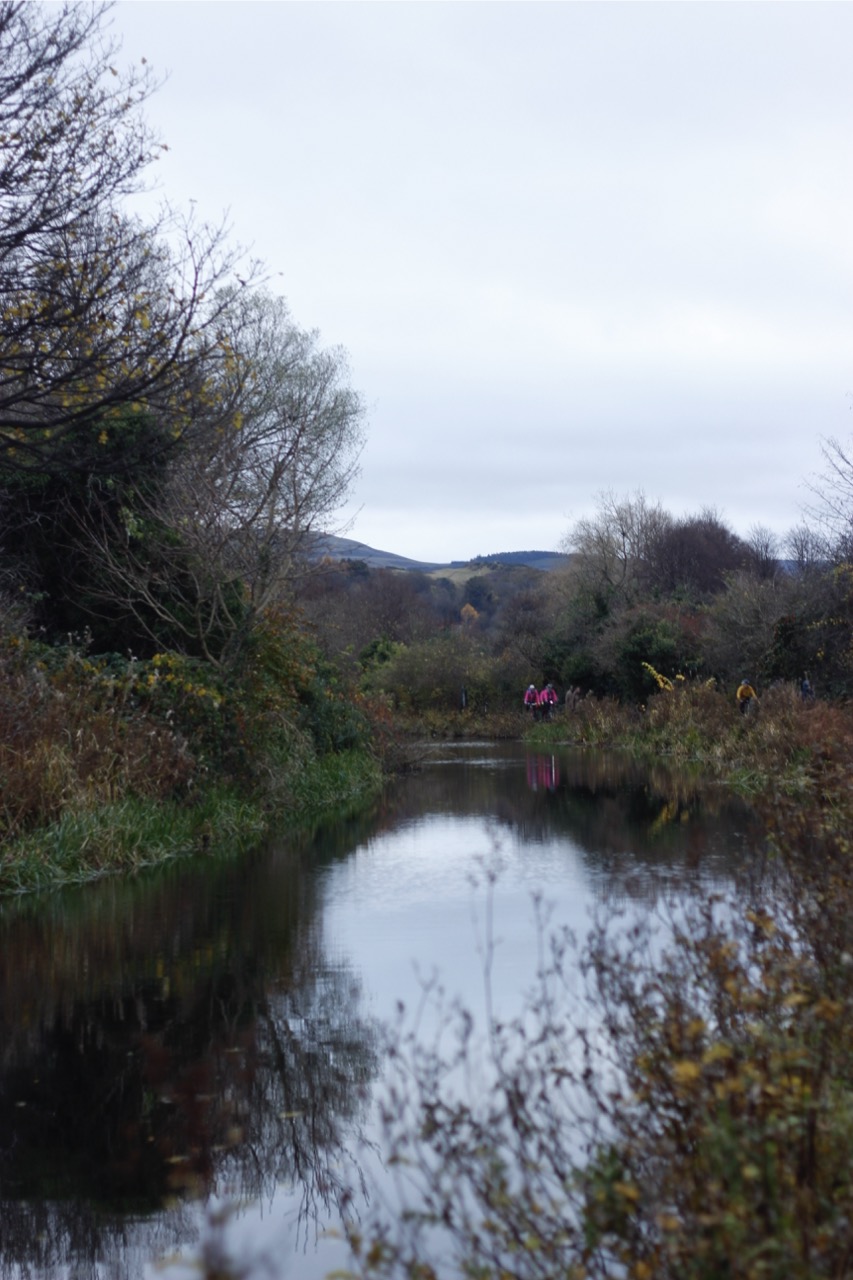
<point>548,700</point>
<point>746,697</point>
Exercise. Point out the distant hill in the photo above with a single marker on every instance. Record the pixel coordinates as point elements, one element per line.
<point>348,549</point>
<point>532,559</point>
<point>327,545</point>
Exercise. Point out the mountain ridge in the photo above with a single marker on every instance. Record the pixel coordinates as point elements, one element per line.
<point>332,547</point>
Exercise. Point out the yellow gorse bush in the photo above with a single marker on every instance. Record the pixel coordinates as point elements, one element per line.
<point>663,682</point>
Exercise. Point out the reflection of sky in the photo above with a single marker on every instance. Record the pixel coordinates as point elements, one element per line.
<point>421,900</point>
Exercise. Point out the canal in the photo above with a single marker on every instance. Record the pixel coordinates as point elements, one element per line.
<point>191,1059</point>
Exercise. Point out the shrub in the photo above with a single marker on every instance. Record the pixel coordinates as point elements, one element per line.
<point>107,762</point>
<point>789,743</point>
<point>73,736</point>
<point>439,674</point>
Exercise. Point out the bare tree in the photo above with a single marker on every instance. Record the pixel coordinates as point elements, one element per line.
<point>611,550</point>
<point>832,499</point>
<point>764,549</point>
<point>809,548</point>
<point>229,529</point>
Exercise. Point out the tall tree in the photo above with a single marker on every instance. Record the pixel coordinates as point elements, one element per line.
<point>611,551</point>
<point>693,554</point>
<point>205,550</point>
<point>98,310</point>
<point>114,333</point>
<point>764,549</point>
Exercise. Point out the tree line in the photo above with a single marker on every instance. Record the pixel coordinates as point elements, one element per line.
<point>637,588</point>
<point>168,433</point>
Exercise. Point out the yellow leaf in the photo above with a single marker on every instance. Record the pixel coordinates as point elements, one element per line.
<point>794,1000</point>
<point>686,1071</point>
<point>718,1052</point>
<point>668,1221</point>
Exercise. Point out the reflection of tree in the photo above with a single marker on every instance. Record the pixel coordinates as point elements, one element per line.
<point>180,1034</point>
<point>39,1238</point>
<point>622,814</point>
<point>311,1069</point>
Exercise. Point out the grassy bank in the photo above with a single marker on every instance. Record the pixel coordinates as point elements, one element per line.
<point>126,835</point>
<point>109,764</point>
<point>786,745</point>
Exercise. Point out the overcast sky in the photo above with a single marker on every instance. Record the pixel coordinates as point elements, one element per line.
<point>569,247</point>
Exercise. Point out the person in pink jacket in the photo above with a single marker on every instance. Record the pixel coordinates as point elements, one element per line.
<point>548,700</point>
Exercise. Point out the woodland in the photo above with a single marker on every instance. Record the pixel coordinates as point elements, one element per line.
<point>169,437</point>
<point>637,588</point>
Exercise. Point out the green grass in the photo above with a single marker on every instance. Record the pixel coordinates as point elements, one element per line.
<point>134,833</point>
<point>333,784</point>
<point>126,836</point>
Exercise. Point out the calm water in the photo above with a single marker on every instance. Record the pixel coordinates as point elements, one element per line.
<point>214,1030</point>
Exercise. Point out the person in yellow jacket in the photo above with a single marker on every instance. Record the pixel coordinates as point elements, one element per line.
<point>745,695</point>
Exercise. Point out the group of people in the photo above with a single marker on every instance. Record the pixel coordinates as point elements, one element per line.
<point>540,703</point>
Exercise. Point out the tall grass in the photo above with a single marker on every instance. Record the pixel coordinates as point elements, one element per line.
<point>108,764</point>
<point>126,835</point>
<point>333,784</point>
<point>786,743</point>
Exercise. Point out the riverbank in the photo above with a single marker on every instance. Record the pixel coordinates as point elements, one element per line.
<point>786,745</point>
<point>135,832</point>
<point>110,764</point>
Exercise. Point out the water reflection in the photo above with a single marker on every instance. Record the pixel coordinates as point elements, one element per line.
<point>214,1027</point>
<point>636,827</point>
<point>543,772</point>
<point>169,1036</point>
